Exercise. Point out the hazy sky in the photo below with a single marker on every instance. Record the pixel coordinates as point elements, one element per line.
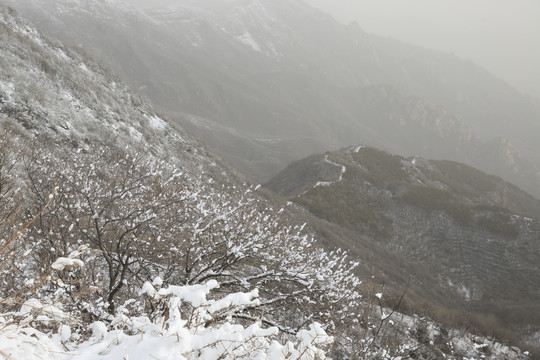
<point>501,35</point>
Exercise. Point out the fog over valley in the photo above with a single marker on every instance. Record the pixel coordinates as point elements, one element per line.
<point>500,35</point>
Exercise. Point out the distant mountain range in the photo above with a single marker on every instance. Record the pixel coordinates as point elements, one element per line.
<point>268,82</point>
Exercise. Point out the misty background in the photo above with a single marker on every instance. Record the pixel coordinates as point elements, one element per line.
<point>500,35</point>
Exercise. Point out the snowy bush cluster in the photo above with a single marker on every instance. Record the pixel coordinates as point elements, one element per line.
<point>134,200</point>
<point>62,306</point>
<point>133,217</point>
<point>172,335</point>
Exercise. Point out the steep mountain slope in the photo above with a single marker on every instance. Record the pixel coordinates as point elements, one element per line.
<point>154,202</point>
<point>477,234</point>
<point>268,82</point>
<point>93,172</point>
<point>48,88</point>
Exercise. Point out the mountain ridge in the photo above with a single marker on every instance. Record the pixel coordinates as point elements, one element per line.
<point>476,233</point>
<point>228,70</point>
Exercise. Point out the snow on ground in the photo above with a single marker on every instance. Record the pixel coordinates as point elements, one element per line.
<point>26,343</point>
<point>156,122</point>
<point>6,92</point>
<point>167,337</point>
<point>247,39</point>
<point>328,183</point>
<point>61,54</point>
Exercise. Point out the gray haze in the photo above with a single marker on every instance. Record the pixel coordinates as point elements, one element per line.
<point>500,35</point>
<point>318,85</point>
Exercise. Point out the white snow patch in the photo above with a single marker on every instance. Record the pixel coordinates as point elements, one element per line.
<point>22,343</point>
<point>62,55</point>
<point>465,292</point>
<point>134,133</point>
<point>247,39</point>
<point>193,294</point>
<point>156,122</point>
<point>47,312</point>
<point>66,263</point>
<point>237,299</point>
<point>65,332</point>
<point>323,183</point>
<point>328,183</point>
<point>71,261</point>
<point>148,289</point>
<point>99,330</point>
<point>6,91</point>
<point>83,67</point>
<point>68,97</point>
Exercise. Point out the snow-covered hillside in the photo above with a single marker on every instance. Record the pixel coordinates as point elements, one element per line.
<point>122,237</point>
<point>148,201</point>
